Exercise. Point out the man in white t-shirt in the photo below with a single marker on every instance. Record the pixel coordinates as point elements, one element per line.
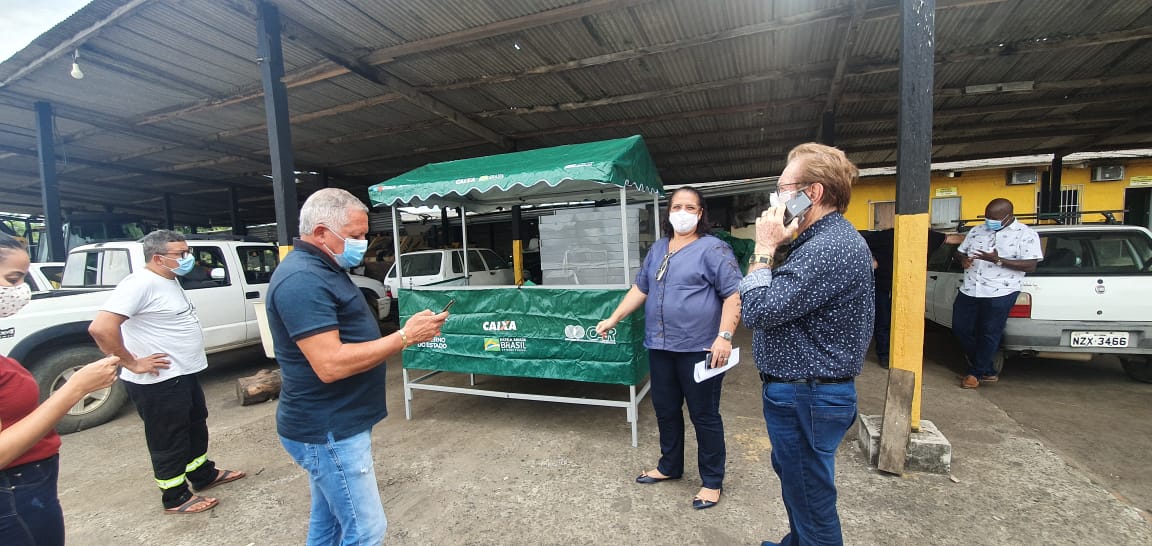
<point>995,257</point>
<point>150,323</point>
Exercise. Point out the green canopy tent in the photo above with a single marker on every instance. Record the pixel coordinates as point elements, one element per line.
<point>551,340</point>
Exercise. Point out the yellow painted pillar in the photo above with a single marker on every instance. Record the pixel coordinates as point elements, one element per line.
<point>909,272</point>
<point>518,260</point>
<point>284,250</point>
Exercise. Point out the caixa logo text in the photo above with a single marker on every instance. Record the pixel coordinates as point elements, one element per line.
<point>499,325</point>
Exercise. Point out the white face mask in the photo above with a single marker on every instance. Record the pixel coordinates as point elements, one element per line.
<point>683,221</point>
<point>13,298</point>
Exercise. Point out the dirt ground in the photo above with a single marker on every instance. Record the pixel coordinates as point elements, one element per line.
<point>479,470</point>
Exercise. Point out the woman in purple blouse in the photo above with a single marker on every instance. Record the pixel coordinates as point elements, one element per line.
<point>689,287</point>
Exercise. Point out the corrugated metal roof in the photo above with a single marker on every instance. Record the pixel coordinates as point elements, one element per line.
<point>172,99</point>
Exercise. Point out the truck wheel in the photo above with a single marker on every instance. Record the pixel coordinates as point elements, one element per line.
<point>1138,367</point>
<point>96,408</point>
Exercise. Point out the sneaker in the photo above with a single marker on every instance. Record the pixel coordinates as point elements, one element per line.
<point>970,382</point>
<point>990,379</point>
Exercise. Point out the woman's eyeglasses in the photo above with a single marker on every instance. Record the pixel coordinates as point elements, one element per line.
<point>663,266</point>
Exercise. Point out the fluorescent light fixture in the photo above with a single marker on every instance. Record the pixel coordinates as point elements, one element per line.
<point>1004,87</point>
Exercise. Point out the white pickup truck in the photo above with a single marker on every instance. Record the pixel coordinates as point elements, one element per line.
<point>50,335</point>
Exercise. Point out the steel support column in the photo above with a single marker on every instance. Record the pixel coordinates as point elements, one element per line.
<point>169,222</point>
<point>279,128</point>
<point>914,171</point>
<point>238,227</point>
<point>828,128</point>
<point>1056,172</point>
<point>49,186</point>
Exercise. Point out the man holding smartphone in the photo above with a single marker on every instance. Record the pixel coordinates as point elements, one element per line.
<point>812,318</point>
<point>331,360</point>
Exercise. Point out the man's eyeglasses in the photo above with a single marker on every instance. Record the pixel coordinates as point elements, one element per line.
<point>183,254</point>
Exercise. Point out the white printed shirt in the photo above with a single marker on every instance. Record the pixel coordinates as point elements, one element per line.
<point>985,279</point>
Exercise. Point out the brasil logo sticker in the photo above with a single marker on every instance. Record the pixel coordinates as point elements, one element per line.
<point>491,344</point>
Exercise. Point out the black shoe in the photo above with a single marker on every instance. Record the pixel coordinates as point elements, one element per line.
<point>645,478</point>
<point>701,504</point>
<point>883,361</point>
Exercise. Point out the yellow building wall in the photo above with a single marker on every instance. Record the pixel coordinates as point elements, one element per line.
<point>977,188</point>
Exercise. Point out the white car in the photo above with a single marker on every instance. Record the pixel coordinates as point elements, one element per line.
<point>446,267</point>
<point>1090,295</point>
<point>46,276</point>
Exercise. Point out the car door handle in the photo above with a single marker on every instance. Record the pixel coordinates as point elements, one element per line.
<point>933,277</point>
<point>251,295</point>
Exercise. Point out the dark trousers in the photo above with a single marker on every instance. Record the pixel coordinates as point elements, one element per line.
<point>672,385</point>
<point>978,323</point>
<point>882,332</point>
<point>176,429</point>
<point>30,513</point>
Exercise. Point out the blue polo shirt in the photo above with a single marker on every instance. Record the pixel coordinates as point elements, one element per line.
<point>683,308</point>
<point>309,294</point>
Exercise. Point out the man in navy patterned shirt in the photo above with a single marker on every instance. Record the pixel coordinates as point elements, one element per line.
<point>813,317</point>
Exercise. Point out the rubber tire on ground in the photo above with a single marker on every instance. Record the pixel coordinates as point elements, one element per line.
<point>1138,367</point>
<point>99,407</point>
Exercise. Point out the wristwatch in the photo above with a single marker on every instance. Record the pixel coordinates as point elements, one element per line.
<point>761,259</point>
<point>999,262</point>
<point>726,335</point>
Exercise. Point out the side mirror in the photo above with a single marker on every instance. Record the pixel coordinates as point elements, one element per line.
<point>218,274</point>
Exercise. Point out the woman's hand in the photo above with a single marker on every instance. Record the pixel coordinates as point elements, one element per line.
<point>721,350</point>
<point>94,376</point>
<point>606,325</point>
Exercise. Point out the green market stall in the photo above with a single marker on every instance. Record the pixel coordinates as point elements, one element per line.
<point>529,331</point>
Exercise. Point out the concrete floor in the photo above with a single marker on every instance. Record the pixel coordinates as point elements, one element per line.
<point>1045,457</point>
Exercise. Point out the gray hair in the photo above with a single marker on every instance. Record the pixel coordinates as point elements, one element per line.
<point>330,207</point>
<point>157,242</point>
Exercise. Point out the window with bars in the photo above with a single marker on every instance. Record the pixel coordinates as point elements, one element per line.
<point>1069,207</point>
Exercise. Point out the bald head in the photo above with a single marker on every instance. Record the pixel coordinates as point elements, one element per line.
<point>999,209</point>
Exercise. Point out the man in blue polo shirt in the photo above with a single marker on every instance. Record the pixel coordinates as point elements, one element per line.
<point>331,359</point>
<point>812,316</point>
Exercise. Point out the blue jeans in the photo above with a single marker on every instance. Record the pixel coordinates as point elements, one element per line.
<point>346,508</point>
<point>30,513</point>
<point>978,323</point>
<point>672,386</point>
<point>806,423</point>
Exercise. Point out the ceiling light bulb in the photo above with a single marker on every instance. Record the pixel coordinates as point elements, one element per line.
<point>76,73</point>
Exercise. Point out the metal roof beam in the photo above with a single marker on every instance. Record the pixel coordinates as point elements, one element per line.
<point>75,41</point>
<point>836,85</point>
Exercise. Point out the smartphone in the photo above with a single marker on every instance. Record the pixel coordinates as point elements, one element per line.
<point>796,206</point>
<point>451,302</point>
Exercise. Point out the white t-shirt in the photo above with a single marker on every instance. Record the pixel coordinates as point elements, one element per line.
<point>985,279</point>
<point>161,319</point>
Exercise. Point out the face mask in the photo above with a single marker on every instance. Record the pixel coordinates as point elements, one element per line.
<point>354,250</point>
<point>183,265</point>
<point>683,221</point>
<point>994,225</point>
<point>14,298</point>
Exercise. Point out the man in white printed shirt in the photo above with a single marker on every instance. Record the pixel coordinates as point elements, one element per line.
<point>995,257</point>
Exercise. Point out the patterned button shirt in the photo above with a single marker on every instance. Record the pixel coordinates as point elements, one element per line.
<point>985,279</point>
<point>813,315</point>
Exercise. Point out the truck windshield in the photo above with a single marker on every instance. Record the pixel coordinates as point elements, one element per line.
<point>419,265</point>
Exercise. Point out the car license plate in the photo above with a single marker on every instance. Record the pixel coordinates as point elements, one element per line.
<point>1099,339</point>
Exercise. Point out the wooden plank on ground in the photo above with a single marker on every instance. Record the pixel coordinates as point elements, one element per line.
<point>896,430</point>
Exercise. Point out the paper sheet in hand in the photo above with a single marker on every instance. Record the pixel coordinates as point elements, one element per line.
<point>702,372</point>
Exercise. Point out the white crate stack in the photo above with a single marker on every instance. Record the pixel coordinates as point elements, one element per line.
<point>582,246</point>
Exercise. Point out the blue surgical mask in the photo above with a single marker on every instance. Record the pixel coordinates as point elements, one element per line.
<point>994,225</point>
<point>354,250</point>
<point>183,265</point>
